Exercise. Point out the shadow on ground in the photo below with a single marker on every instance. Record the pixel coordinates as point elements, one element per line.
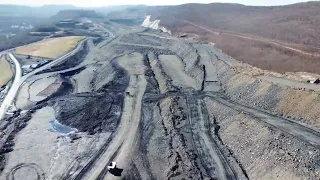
<point>116,171</point>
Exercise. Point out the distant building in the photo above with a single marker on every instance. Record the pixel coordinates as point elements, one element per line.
<point>26,67</point>
<point>81,26</point>
<point>184,35</point>
<point>33,66</point>
<point>66,25</point>
<point>30,67</point>
<point>67,20</point>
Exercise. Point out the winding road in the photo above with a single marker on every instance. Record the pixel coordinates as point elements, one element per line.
<point>19,80</point>
<point>14,87</point>
<point>300,131</point>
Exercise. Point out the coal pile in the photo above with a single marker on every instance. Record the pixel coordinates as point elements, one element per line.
<point>140,49</point>
<point>94,112</point>
<point>90,112</point>
<point>136,39</point>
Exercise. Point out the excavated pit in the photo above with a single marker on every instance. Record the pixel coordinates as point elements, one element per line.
<point>94,112</point>
<point>181,129</point>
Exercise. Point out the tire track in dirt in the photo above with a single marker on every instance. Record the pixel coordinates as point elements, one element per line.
<point>127,133</point>
<point>126,138</point>
<point>40,175</point>
<point>295,129</point>
<point>202,135</point>
<point>216,166</point>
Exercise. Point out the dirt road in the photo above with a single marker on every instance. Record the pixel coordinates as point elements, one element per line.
<point>13,89</point>
<point>288,126</point>
<point>202,136</point>
<point>170,114</point>
<point>125,137</point>
<point>19,80</point>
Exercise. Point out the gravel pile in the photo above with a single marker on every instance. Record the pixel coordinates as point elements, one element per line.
<point>246,94</point>
<point>120,49</point>
<point>189,57</point>
<point>90,113</point>
<point>243,88</point>
<point>103,76</point>
<point>99,111</point>
<point>265,151</point>
<point>273,98</point>
<point>136,39</point>
<point>186,52</point>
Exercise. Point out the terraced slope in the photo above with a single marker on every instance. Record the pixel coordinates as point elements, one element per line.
<point>166,109</point>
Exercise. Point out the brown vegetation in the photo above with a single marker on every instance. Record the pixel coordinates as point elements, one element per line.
<point>50,48</point>
<point>282,39</point>
<point>5,71</point>
<point>265,55</point>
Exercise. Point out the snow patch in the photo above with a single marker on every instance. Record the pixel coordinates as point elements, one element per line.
<point>153,24</point>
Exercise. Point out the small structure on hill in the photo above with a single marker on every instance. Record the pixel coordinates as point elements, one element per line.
<point>67,23</point>
<point>184,35</point>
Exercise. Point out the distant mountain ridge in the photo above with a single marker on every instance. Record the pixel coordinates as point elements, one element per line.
<point>75,14</point>
<point>297,23</point>
<point>42,11</point>
<point>278,38</point>
<point>47,11</point>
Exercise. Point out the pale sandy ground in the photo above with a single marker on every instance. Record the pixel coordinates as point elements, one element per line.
<point>158,36</point>
<point>83,79</point>
<point>212,83</point>
<point>292,101</point>
<point>155,66</point>
<point>50,48</point>
<point>29,148</point>
<point>207,60</point>
<point>259,161</point>
<point>174,68</point>
<point>38,86</point>
<point>22,100</point>
<point>291,83</point>
<point>103,80</point>
<point>300,103</point>
<point>37,146</point>
<point>140,45</point>
<point>296,80</point>
<point>134,116</point>
<point>29,90</point>
<point>5,71</point>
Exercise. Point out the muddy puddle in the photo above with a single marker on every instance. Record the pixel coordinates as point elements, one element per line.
<point>60,128</point>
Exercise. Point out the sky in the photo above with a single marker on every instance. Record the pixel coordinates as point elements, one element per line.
<point>95,3</point>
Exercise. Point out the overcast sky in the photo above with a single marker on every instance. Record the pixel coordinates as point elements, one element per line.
<point>94,3</point>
